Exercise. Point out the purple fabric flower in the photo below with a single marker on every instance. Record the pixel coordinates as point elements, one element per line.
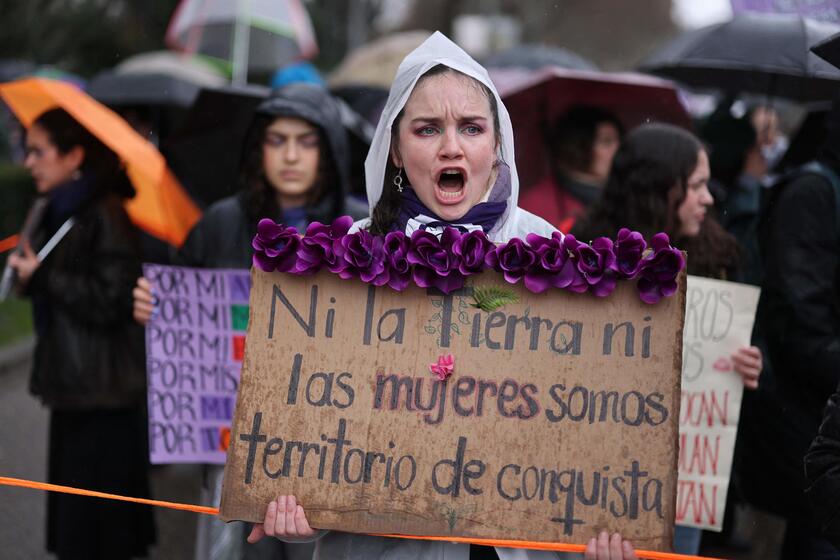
<point>552,267</point>
<point>471,248</point>
<point>396,260</point>
<point>577,283</point>
<point>513,259</point>
<point>659,270</point>
<point>275,246</point>
<point>629,251</point>
<point>318,246</point>
<point>596,262</point>
<point>559,261</point>
<point>360,254</point>
<point>434,263</point>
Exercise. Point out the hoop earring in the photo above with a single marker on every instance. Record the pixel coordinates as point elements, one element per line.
<point>398,180</point>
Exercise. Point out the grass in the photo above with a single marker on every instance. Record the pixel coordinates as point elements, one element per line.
<point>16,193</point>
<point>15,320</point>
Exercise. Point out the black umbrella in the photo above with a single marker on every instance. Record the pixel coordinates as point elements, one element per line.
<point>754,53</point>
<point>204,152</point>
<point>534,57</point>
<point>829,50</point>
<point>117,89</point>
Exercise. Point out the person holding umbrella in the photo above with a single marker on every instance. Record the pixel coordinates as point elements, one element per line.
<point>293,167</point>
<point>89,365</point>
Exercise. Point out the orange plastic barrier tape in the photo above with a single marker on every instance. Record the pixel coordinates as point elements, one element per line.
<point>557,547</point>
<point>70,490</point>
<point>561,547</point>
<point>9,243</point>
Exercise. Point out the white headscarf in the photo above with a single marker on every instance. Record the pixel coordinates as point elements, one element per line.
<point>435,50</point>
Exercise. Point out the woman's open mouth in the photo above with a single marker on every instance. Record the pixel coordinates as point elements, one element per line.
<point>450,186</point>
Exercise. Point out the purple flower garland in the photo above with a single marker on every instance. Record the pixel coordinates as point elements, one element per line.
<point>395,260</point>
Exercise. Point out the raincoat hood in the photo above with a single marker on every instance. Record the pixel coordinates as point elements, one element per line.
<point>438,49</point>
<point>315,105</point>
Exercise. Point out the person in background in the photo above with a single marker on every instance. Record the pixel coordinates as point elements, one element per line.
<point>582,146</point>
<point>822,469</point>
<point>89,365</point>
<point>659,182</point>
<point>798,321</point>
<point>442,156</point>
<point>772,142</point>
<point>294,170</point>
<point>739,171</point>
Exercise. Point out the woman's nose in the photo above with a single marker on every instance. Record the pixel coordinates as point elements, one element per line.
<point>706,198</point>
<point>451,146</point>
<point>291,151</point>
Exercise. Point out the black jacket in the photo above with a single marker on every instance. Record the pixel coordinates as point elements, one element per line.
<point>89,351</point>
<point>221,238</point>
<point>822,467</point>
<point>798,326</point>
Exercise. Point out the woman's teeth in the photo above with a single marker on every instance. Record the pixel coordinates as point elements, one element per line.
<point>450,194</point>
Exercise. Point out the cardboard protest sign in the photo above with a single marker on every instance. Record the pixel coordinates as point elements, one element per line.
<point>718,320</point>
<point>194,350</point>
<point>560,417</point>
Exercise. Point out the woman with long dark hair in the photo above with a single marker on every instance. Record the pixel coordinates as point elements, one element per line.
<point>659,181</point>
<point>89,364</point>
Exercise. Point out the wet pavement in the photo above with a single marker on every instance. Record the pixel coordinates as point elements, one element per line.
<point>23,454</point>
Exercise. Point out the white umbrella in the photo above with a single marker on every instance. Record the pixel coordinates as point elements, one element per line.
<point>256,35</point>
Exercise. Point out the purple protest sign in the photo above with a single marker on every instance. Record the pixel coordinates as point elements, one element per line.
<point>194,349</point>
<point>821,10</point>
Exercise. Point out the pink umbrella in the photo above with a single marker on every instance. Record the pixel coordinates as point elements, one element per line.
<point>537,99</point>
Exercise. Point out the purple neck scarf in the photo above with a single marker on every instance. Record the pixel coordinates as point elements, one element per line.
<point>415,215</point>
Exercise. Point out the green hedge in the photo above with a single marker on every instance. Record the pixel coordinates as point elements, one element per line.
<point>15,320</point>
<point>16,194</point>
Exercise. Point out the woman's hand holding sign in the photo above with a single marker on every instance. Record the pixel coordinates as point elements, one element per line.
<point>285,520</point>
<point>609,548</point>
<point>747,361</point>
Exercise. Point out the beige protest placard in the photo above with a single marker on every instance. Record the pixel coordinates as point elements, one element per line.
<point>718,320</point>
<point>560,418</point>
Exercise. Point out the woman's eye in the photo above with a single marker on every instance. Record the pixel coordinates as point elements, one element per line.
<point>427,130</point>
<point>274,141</point>
<point>472,129</point>
<point>310,141</point>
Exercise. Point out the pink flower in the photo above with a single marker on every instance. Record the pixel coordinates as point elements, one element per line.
<point>444,367</point>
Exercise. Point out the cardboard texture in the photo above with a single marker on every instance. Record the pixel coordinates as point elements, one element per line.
<point>718,320</point>
<point>560,417</point>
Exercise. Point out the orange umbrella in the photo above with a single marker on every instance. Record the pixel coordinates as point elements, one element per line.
<point>161,206</point>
